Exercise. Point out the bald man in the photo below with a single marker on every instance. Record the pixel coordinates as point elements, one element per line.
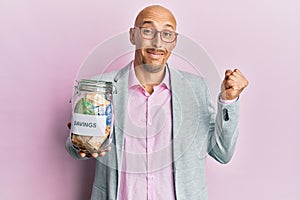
<point>165,124</point>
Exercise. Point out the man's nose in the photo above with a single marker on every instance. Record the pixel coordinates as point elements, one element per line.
<point>157,42</point>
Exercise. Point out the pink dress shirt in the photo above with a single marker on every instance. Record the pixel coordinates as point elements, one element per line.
<point>147,168</point>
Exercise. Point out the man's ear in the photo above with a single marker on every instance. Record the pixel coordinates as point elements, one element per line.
<point>131,36</point>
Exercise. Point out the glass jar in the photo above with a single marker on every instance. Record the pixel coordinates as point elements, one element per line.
<point>92,114</point>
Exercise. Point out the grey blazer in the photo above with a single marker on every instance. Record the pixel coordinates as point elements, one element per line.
<point>197,131</point>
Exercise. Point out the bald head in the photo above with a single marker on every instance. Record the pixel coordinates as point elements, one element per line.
<point>155,14</point>
<point>151,54</point>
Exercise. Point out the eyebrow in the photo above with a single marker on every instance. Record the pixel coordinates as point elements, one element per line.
<point>150,22</point>
<point>147,22</point>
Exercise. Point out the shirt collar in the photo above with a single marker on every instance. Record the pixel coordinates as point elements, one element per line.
<point>133,81</point>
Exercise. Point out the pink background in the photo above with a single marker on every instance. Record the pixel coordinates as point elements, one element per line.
<point>43,43</point>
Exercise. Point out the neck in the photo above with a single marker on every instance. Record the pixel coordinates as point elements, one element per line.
<point>149,75</point>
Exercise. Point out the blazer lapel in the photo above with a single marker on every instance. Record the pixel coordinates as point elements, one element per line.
<point>177,109</point>
<point>185,113</point>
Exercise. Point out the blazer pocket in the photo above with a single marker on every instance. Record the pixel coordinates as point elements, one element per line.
<point>99,193</point>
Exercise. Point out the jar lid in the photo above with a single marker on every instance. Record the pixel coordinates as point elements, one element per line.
<point>90,85</point>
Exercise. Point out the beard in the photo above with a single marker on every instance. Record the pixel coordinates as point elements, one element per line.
<point>153,68</point>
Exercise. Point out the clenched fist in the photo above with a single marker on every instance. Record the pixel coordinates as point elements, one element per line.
<point>233,84</point>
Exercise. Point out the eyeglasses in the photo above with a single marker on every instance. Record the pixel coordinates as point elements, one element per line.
<point>149,33</point>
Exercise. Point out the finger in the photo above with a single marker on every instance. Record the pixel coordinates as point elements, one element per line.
<point>233,77</point>
<point>237,71</point>
<point>228,72</point>
<point>224,85</point>
<point>82,154</point>
<point>237,74</point>
<point>102,153</point>
<point>85,153</point>
<point>237,77</point>
<point>95,155</point>
<point>229,83</point>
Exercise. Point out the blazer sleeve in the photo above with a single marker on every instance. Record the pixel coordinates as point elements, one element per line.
<point>223,130</point>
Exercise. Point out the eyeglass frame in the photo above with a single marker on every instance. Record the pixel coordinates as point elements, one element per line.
<point>139,27</point>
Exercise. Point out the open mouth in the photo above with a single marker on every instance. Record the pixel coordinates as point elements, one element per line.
<point>154,53</point>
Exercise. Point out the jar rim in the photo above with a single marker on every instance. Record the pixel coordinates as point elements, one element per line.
<point>93,81</point>
<point>91,85</point>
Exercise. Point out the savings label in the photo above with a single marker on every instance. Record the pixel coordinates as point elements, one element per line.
<point>88,125</point>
